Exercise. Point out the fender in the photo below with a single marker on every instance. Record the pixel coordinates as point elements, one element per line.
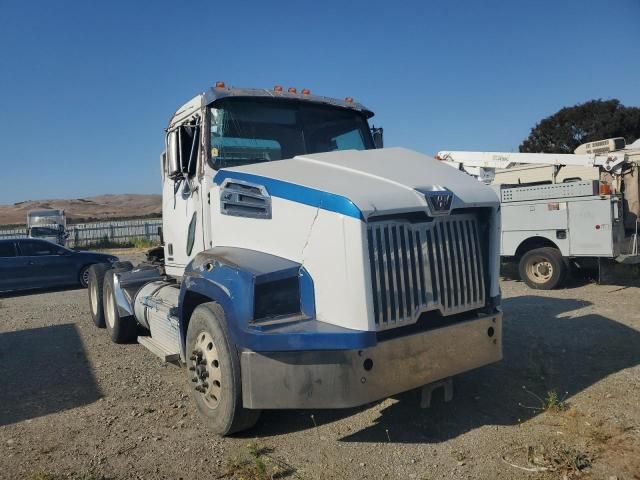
<point>229,276</point>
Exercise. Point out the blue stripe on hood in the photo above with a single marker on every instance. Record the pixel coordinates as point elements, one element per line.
<point>296,193</point>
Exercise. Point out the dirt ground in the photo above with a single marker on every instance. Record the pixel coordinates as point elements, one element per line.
<point>564,403</point>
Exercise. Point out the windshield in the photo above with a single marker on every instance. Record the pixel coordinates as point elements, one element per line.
<point>246,131</point>
<point>45,231</point>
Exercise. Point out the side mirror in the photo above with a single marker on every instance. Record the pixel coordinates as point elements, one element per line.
<point>173,156</point>
<point>377,133</point>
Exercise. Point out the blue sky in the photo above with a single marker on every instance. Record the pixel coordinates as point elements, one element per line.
<point>87,87</point>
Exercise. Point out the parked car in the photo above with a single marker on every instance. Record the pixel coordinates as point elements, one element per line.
<point>27,263</point>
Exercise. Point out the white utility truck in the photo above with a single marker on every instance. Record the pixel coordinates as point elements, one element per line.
<point>47,224</point>
<point>303,267</point>
<point>548,224</point>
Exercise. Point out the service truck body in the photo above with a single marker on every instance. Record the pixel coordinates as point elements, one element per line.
<point>579,221</point>
<point>342,273</point>
<point>549,222</point>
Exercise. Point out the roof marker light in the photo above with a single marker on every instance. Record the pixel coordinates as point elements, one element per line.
<point>349,99</point>
<point>306,91</point>
<point>292,90</point>
<point>219,84</point>
<point>277,88</point>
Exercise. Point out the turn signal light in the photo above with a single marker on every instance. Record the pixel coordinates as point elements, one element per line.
<point>292,90</point>
<point>605,189</point>
<point>349,99</point>
<point>306,91</point>
<point>277,88</point>
<point>219,84</point>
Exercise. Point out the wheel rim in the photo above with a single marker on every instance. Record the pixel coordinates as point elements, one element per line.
<point>110,310</point>
<point>84,277</point>
<point>93,296</point>
<point>205,366</point>
<point>539,269</point>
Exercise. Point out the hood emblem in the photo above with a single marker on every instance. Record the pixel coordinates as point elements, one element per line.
<point>439,200</point>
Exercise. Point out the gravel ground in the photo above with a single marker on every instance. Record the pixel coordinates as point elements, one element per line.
<point>74,405</point>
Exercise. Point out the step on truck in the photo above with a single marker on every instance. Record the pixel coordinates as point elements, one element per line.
<point>303,265</point>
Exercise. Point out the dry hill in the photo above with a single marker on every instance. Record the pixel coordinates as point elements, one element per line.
<point>88,209</point>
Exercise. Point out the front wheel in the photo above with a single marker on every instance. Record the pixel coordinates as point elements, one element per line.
<point>543,268</point>
<point>214,372</point>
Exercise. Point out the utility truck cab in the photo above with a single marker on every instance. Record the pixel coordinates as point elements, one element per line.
<point>48,224</point>
<point>303,267</point>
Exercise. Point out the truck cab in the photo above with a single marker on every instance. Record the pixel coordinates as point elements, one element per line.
<point>47,224</point>
<point>302,266</point>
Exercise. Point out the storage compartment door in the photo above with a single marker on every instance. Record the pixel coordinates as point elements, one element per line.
<point>590,224</point>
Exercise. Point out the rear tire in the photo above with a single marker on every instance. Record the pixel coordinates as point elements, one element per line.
<point>121,329</point>
<point>214,364</point>
<point>543,268</point>
<point>95,289</point>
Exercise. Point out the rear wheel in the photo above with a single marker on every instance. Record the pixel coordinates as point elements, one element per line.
<point>214,372</point>
<point>543,268</point>
<point>95,286</point>
<point>122,329</point>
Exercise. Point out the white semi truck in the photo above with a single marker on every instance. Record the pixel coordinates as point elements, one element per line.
<point>546,225</point>
<point>48,224</point>
<point>303,267</point>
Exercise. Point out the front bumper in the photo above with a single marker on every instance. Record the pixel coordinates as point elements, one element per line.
<point>348,378</point>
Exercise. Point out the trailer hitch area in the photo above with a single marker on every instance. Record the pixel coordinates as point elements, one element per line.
<point>426,392</point>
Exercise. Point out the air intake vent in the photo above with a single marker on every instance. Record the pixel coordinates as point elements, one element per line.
<point>242,199</point>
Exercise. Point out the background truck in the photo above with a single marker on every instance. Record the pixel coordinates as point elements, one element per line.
<point>302,267</point>
<point>47,224</point>
<point>548,223</point>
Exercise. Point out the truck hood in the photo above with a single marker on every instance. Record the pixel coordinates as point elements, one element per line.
<point>387,180</point>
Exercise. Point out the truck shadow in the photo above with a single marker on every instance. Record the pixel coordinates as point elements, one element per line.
<point>546,348</point>
<point>42,371</point>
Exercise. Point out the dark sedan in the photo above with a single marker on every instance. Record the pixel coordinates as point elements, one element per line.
<point>27,263</point>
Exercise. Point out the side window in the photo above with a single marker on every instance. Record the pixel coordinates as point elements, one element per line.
<point>31,248</point>
<point>182,149</point>
<point>351,140</point>
<point>7,249</point>
<point>189,146</point>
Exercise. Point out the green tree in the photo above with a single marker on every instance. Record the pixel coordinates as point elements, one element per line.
<point>563,131</point>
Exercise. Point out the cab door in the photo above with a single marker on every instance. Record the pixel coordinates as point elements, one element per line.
<point>182,195</point>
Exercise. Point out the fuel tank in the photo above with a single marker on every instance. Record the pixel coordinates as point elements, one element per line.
<point>155,308</point>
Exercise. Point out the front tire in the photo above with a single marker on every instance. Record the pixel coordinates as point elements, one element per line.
<point>543,268</point>
<point>95,286</point>
<point>122,329</point>
<point>214,372</point>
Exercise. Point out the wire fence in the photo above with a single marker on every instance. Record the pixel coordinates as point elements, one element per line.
<point>103,234</point>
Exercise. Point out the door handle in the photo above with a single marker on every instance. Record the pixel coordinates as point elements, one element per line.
<point>31,262</point>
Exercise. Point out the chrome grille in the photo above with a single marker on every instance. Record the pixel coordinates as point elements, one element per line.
<point>416,267</point>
